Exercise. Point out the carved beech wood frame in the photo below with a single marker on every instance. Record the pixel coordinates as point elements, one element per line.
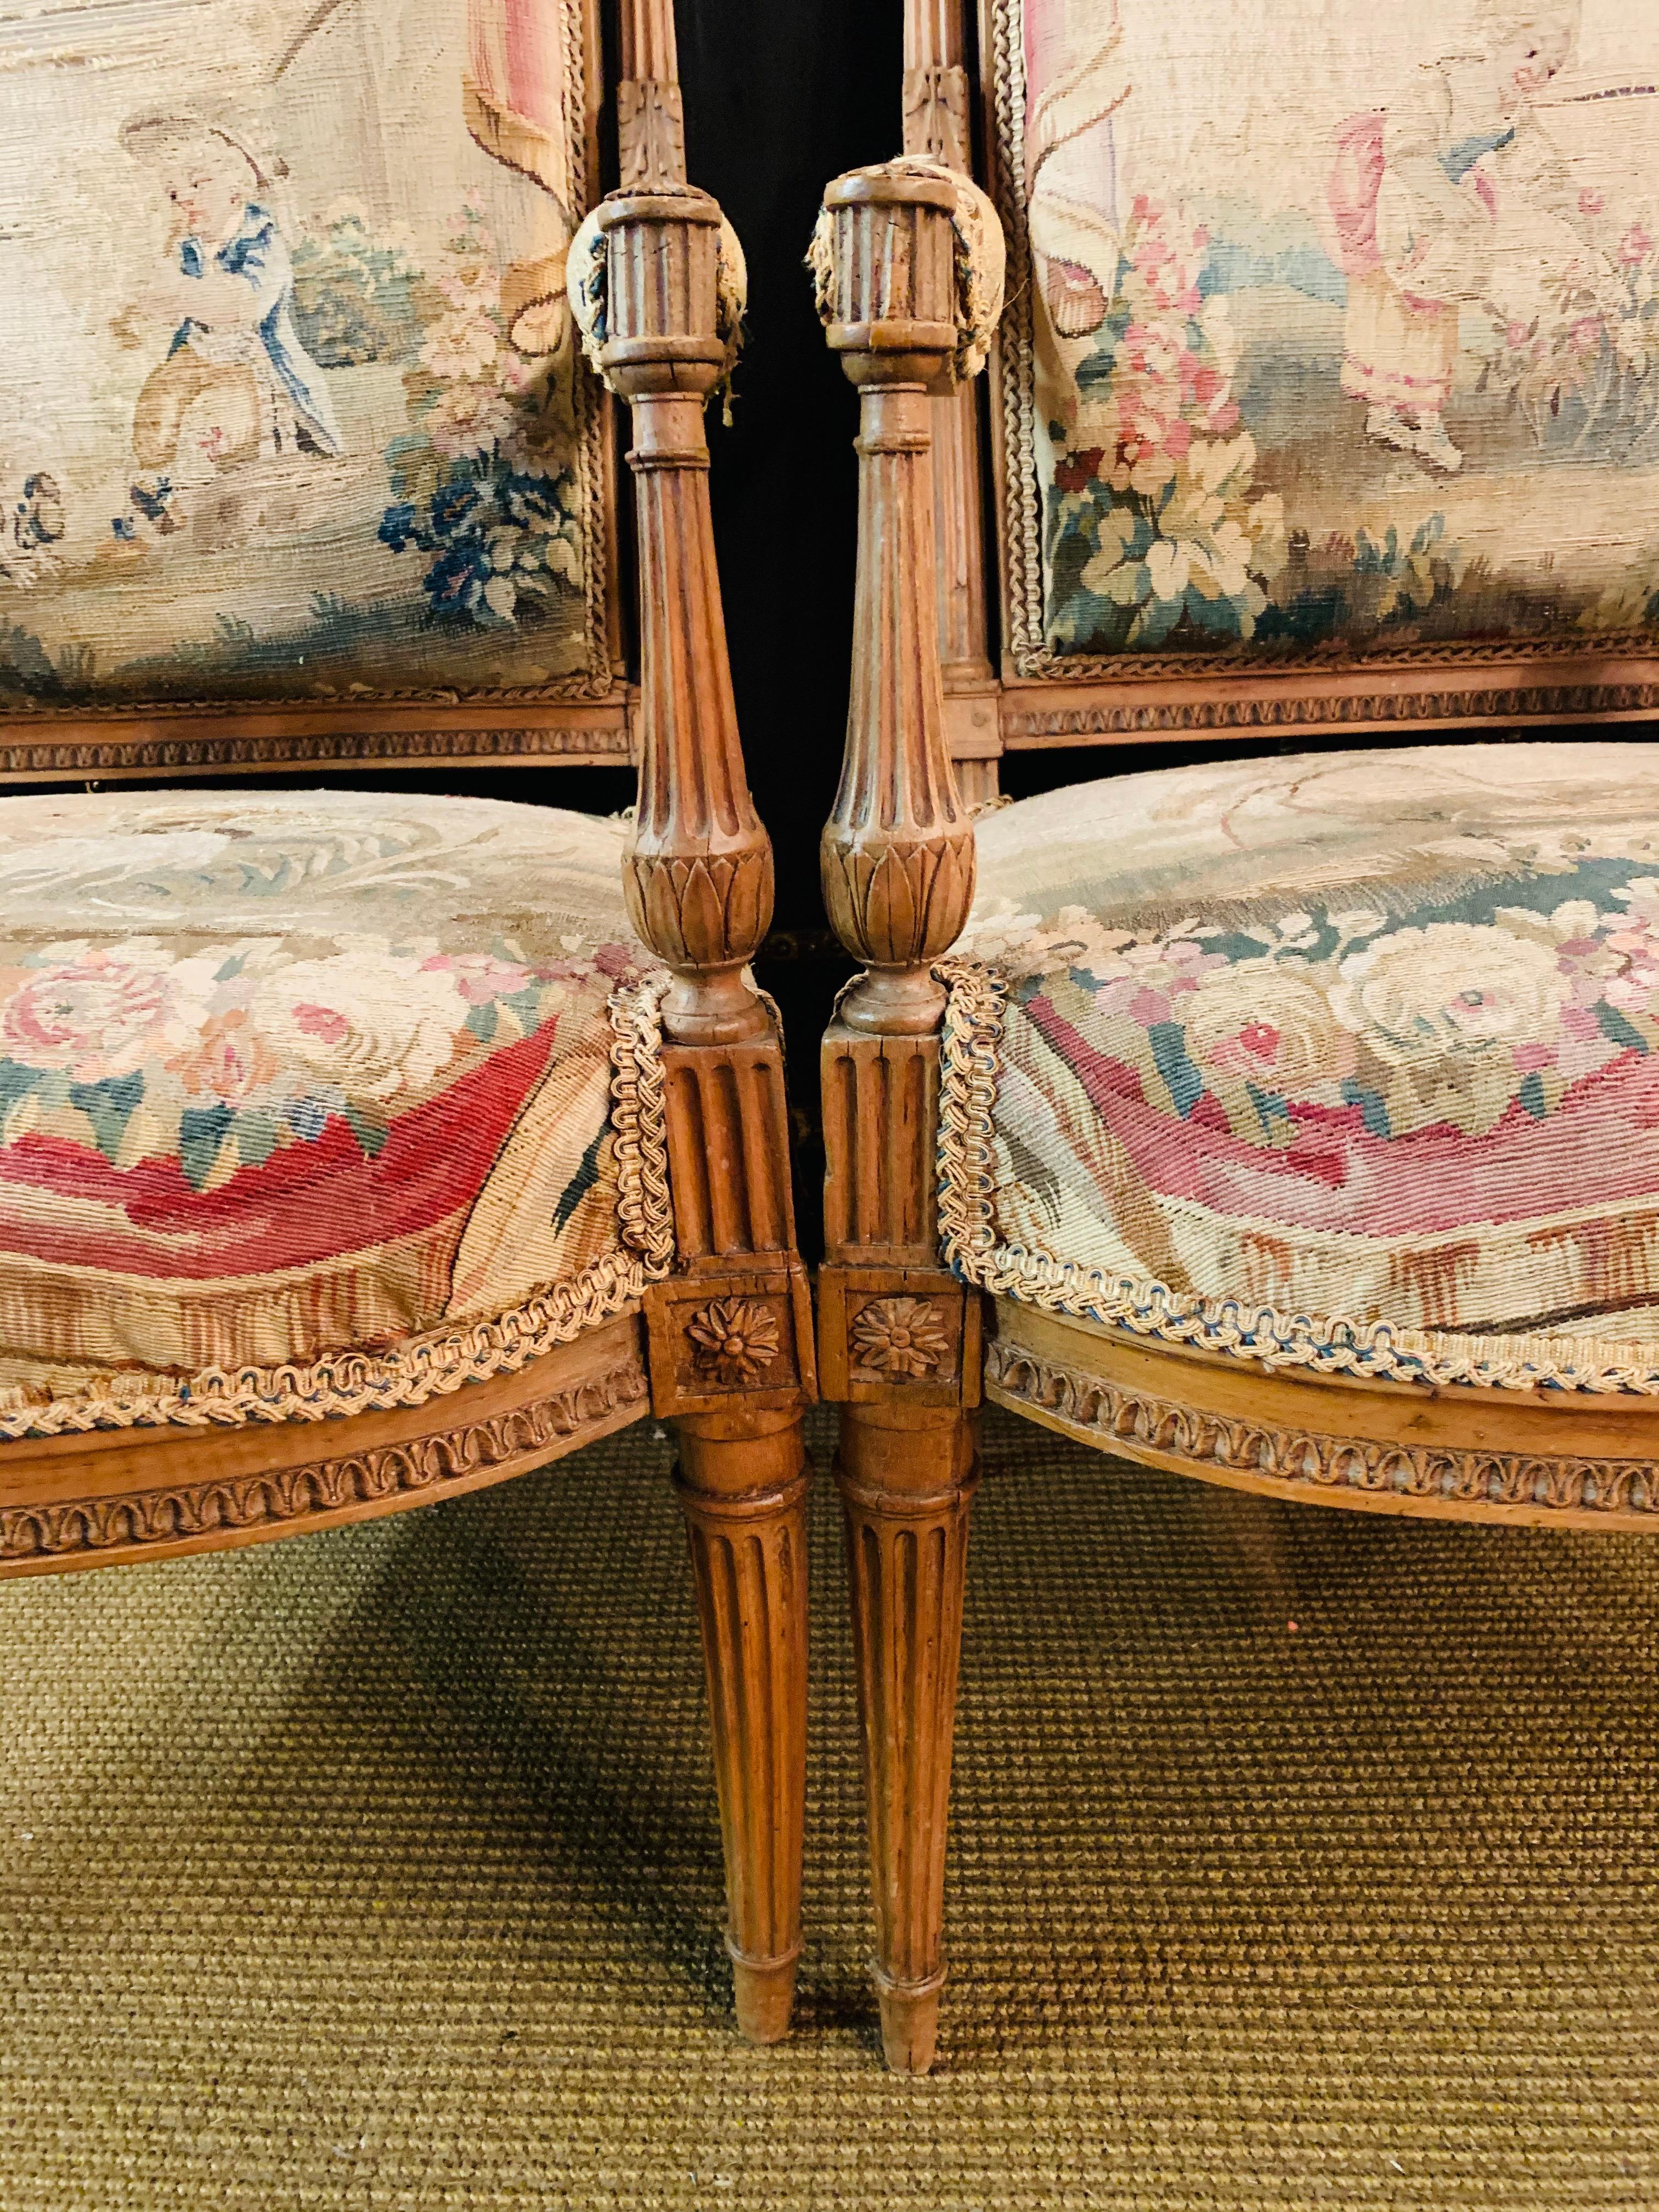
<point>901,1338</point>
<point>580,720</point>
<point>722,1348</point>
<point>1048,699</point>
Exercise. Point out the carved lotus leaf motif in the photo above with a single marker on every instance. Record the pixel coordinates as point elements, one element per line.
<point>903,1337</point>
<point>732,1339</point>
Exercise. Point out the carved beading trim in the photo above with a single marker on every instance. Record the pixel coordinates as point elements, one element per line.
<point>427,1464</point>
<point>1272,709</point>
<point>94,758</point>
<point>1134,1420</point>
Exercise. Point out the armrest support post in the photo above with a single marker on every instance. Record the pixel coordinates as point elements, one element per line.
<point>898,849</point>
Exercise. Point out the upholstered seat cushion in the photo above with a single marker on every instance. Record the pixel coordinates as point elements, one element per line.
<point>306,1098</point>
<point>1351,1060</point>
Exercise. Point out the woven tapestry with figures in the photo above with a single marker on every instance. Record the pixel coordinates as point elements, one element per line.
<point>1339,326</point>
<point>1353,1057</point>
<point>288,404</point>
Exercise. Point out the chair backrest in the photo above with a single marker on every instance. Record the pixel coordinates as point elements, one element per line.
<point>1326,397</point>
<point>300,464</point>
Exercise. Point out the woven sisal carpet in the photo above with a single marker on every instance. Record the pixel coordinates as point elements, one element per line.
<point>380,1869</point>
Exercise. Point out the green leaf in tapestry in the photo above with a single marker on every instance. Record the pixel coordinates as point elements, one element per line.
<point>482,1021</point>
<point>370,1133</point>
<point>1618,1029</point>
<point>201,1132</point>
<point>586,1175</point>
<point>527,1005</point>
<point>109,1106</point>
<point>17,1082</point>
<point>258,1130</point>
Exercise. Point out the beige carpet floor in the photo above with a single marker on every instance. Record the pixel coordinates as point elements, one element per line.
<point>380,1869</point>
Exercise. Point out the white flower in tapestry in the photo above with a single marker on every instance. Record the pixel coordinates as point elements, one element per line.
<point>289,408</point>
<point>1343,322</point>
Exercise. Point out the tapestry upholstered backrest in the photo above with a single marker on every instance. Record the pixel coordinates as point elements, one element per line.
<point>1328,389</point>
<point>299,461</point>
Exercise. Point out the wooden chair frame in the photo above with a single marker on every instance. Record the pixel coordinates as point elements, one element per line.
<point>906,1348</point>
<point>722,1349</point>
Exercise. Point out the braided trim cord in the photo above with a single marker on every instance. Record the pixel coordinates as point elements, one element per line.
<point>590,414</point>
<point>971,1060</point>
<point>341,1383</point>
<point>1027,643</point>
<point>639,1121</point>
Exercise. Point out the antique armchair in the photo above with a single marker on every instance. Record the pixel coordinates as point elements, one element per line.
<point>1284,1122</point>
<point>361,1150</point>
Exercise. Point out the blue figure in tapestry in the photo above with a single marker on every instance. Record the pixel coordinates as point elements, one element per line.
<point>235,369</point>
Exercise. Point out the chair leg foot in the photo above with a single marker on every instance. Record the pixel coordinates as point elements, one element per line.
<point>907,1478</point>
<point>742,1484</point>
<point>765,1993</point>
<point>909,2019</point>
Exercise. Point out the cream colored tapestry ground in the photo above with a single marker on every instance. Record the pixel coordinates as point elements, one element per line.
<point>380,1869</point>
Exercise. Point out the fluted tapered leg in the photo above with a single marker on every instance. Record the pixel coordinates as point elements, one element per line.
<point>907,1476</point>
<point>745,1500</point>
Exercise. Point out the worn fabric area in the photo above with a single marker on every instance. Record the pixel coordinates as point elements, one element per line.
<point>381,1868</point>
<point>284,1076</point>
<point>1364,1041</point>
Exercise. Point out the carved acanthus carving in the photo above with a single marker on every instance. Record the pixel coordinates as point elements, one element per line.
<point>936,114</point>
<point>650,135</point>
<point>899,1337</point>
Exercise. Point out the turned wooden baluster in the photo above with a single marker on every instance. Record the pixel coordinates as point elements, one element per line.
<point>898,1338</point>
<point>729,1332</point>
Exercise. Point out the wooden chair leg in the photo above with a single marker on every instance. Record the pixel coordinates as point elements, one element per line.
<point>742,1482</point>
<point>907,1475</point>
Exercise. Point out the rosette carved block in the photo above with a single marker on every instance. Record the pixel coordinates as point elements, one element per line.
<point>899,1338</point>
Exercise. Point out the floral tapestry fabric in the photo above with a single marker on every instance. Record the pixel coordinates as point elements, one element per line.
<point>286,1075</point>
<point>1368,1036</point>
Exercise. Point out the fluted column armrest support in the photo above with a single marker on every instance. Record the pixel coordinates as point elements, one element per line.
<point>699,866</point>
<point>898,850</point>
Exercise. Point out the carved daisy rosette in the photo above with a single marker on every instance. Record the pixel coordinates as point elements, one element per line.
<point>904,1338</point>
<point>733,1340</point>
